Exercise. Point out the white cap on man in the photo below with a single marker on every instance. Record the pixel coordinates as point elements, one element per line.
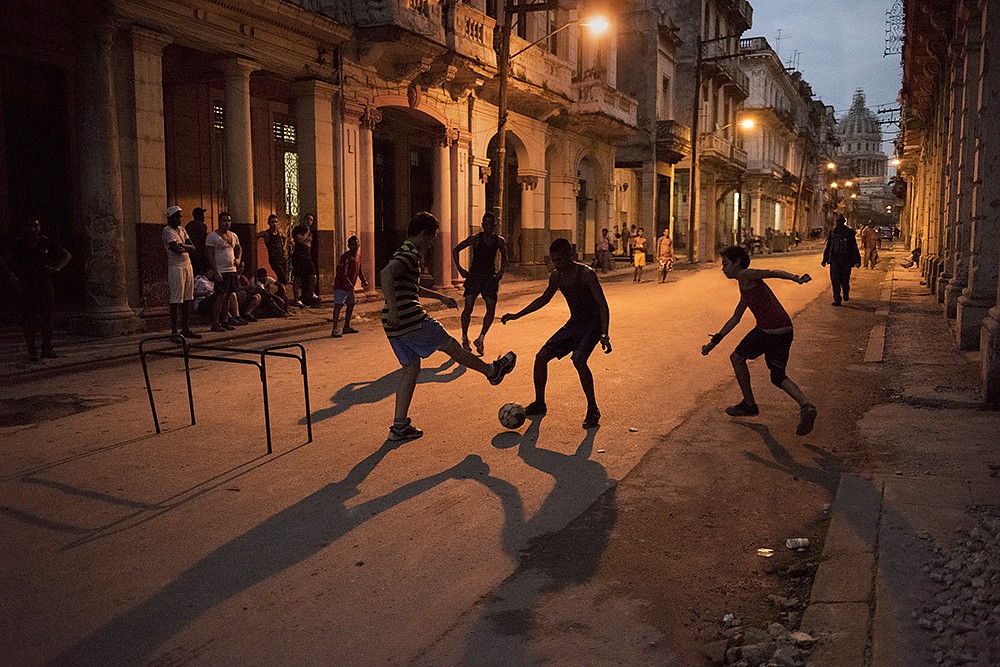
<point>171,210</point>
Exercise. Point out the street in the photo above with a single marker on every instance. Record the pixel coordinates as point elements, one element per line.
<point>191,547</point>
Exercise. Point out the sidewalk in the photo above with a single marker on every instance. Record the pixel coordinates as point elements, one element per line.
<point>900,582</point>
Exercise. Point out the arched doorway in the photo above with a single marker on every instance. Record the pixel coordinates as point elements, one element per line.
<point>404,165</point>
<point>510,227</point>
<point>586,208</point>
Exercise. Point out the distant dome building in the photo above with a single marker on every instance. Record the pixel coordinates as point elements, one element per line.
<point>860,153</point>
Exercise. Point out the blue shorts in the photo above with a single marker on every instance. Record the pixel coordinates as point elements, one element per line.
<point>420,343</point>
<point>342,296</point>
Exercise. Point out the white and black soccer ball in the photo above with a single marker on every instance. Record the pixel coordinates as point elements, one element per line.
<point>511,415</point>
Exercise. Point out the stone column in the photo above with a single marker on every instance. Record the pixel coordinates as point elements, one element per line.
<point>238,143</point>
<point>442,210</point>
<point>370,117</point>
<point>531,234</point>
<point>981,293</point>
<point>953,177</point>
<point>107,310</point>
<point>146,195</point>
<point>314,140</point>
<point>459,196</point>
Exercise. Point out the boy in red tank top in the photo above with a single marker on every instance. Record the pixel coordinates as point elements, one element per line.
<point>772,336</point>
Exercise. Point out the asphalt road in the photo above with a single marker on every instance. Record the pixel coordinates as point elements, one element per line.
<point>193,547</point>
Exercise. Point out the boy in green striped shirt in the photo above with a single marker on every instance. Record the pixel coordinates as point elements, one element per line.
<point>413,334</point>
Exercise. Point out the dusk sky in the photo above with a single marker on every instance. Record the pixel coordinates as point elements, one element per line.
<point>840,47</point>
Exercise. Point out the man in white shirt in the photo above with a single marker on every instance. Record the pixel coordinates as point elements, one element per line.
<point>223,251</point>
<point>180,273</point>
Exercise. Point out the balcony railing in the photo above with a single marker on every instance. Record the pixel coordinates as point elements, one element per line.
<point>540,68</point>
<point>596,96</point>
<point>721,57</point>
<point>711,145</point>
<point>469,33</point>
<point>422,17</point>
<point>673,141</point>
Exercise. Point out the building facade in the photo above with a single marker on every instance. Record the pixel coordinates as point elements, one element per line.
<point>360,113</point>
<point>861,161</point>
<point>710,88</point>
<point>782,157</point>
<point>950,162</point>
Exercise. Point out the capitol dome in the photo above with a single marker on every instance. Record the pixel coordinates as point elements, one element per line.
<point>859,124</point>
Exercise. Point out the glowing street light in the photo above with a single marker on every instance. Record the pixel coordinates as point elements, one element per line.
<point>831,166</point>
<point>896,162</point>
<point>848,184</point>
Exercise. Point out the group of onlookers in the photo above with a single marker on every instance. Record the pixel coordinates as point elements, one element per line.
<point>633,241</point>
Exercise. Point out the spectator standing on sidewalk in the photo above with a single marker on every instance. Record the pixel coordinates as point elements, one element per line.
<point>222,247</point>
<point>602,251</point>
<point>772,335</point>
<point>665,254</point>
<point>769,240</point>
<point>303,269</point>
<point>180,271</point>
<point>482,277</point>
<point>277,251</point>
<point>841,254</point>
<point>639,254</point>
<point>197,230</point>
<point>412,333</point>
<point>869,246</point>
<point>349,270</point>
<point>33,260</point>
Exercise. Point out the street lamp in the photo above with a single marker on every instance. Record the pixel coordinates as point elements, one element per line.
<point>596,24</point>
<point>832,166</point>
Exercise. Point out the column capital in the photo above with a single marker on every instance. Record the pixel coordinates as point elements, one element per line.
<point>238,67</point>
<point>314,88</point>
<point>149,41</point>
<point>370,117</point>
<point>448,137</point>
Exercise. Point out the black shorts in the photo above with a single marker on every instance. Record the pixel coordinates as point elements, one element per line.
<point>487,286</point>
<point>571,339</point>
<point>302,266</point>
<point>774,347</point>
<point>227,285</point>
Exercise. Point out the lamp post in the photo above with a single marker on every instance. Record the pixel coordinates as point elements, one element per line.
<point>512,7</point>
<point>695,116</point>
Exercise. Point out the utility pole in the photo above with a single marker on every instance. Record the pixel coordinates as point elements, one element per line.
<point>693,186</point>
<point>503,72</point>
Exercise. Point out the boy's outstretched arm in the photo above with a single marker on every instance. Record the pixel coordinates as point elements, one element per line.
<point>602,309</point>
<point>443,298</point>
<point>760,274</point>
<point>539,302</point>
<point>730,324</point>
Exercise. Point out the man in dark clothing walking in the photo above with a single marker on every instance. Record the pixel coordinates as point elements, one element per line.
<point>841,254</point>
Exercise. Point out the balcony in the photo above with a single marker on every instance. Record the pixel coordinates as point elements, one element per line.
<point>600,110</point>
<point>723,63</point>
<point>540,83</point>
<point>469,33</point>
<point>673,141</point>
<point>722,151</point>
<point>743,12</point>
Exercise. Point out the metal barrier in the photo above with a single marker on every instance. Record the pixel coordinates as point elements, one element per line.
<point>188,352</point>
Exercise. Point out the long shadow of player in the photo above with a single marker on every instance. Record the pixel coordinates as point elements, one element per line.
<point>375,391</point>
<point>552,554</point>
<point>282,541</point>
<point>825,474</point>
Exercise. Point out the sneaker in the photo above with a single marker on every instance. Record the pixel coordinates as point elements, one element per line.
<point>501,367</point>
<point>299,304</point>
<point>187,333</point>
<point>593,419</point>
<point>239,321</point>
<point>250,318</point>
<point>835,303</point>
<point>807,417</point>
<point>742,409</point>
<point>336,334</point>
<point>218,327</point>
<point>227,326</point>
<point>846,298</point>
<point>350,330</point>
<point>535,409</point>
<point>480,346</point>
<point>465,345</point>
<point>401,432</point>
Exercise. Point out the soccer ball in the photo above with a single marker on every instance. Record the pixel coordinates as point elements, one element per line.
<point>511,415</point>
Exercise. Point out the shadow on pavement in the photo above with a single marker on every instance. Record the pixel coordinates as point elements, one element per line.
<point>825,474</point>
<point>280,542</point>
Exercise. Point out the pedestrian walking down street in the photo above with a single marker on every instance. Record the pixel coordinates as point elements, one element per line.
<point>349,270</point>
<point>771,336</point>
<point>32,261</point>
<point>638,254</point>
<point>277,249</point>
<point>587,326</point>
<point>482,277</point>
<point>664,255</point>
<point>841,254</point>
<point>869,246</point>
<point>412,333</point>
<point>180,271</point>
<point>602,251</point>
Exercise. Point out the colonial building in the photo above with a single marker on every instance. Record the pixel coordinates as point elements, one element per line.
<point>709,89</point>
<point>950,156</point>
<point>648,195</point>
<point>861,160</point>
<point>361,113</point>
<point>781,146</point>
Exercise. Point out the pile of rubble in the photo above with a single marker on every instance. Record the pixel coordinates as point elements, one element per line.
<point>965,615</point>
<point>748,646</point>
